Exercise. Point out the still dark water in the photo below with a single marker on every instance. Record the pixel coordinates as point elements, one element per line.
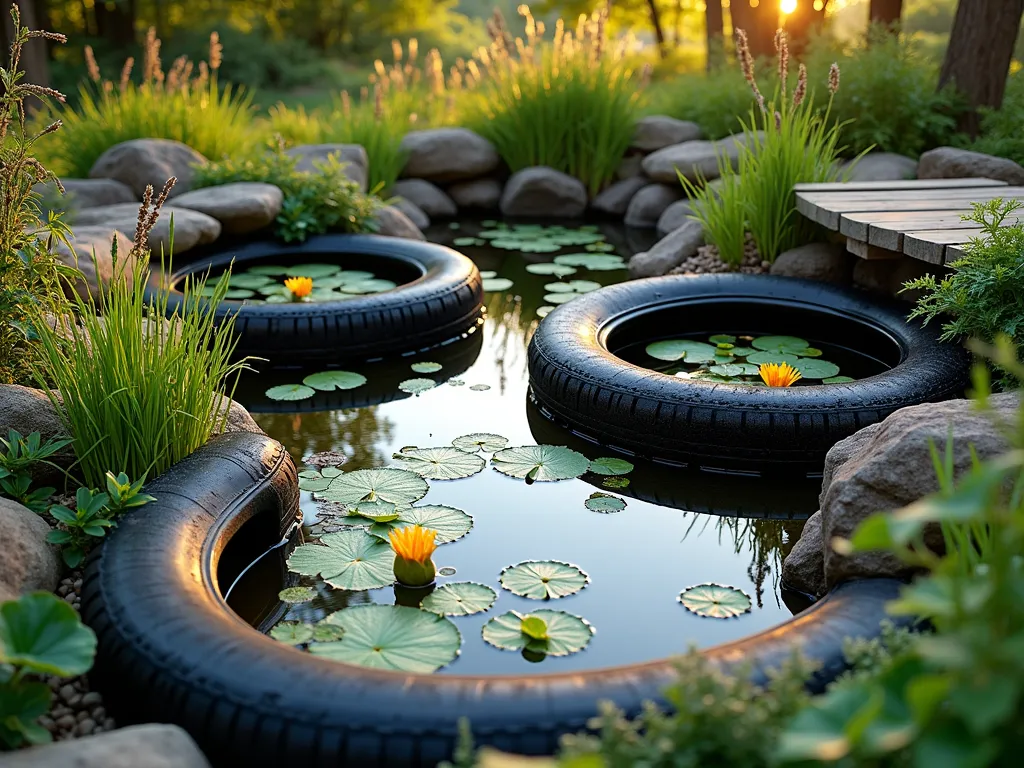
<point>678,529</point>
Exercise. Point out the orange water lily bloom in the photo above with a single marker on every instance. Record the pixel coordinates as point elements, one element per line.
<point>413,543</point>
<point>300,287</point>
<point>779,374</point>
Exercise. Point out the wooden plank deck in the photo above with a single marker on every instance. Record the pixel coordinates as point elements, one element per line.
<point>888,219</point>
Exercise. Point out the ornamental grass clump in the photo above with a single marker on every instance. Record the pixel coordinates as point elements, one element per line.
<point>139,388</point>
<point>185,103</point>
<point>785,141</point>
<point>570,103</point>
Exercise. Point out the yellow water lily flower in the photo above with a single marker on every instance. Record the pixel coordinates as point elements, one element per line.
<point>300,287</point>
<point>413,547</point>
<point>779,374</point>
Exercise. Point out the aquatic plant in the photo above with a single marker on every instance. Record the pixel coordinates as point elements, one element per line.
<point>570,103</point>
<point>413,548</point>
<point>300,287</point>
<point>779,374</point>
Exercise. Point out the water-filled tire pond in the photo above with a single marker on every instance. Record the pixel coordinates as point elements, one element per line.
<point>239,618</point>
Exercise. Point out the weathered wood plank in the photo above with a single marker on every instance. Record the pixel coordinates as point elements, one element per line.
<point>828,198</point>
<point>857,225</point>
<point>933,244</point>
<point>854,186</point>
<point>870,252</point>
<point>891,235</point>
<point>829,213</point>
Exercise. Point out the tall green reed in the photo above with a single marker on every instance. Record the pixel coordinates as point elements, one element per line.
<point>137,387</point>
<point>186,104</point>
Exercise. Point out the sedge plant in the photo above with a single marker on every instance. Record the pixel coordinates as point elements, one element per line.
<point>186,103</point>
<point>137,386</point>
<point>569,103</point>
<point>785,141</point>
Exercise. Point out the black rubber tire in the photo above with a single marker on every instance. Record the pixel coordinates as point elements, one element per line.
<point>442,300</point>
<point>578,382</point>
<point>171,651</point>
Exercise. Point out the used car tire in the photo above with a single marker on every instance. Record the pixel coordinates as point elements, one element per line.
<point>439,297</point>
<point>577,379</point>
<point>170,650</point>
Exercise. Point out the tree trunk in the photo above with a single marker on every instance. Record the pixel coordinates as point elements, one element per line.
<point>714,23</point>
<point>759,23</point>
<point>885,12</point>
<point>659,33</point>
<point>33,56</point>
<point>979,54</point>
<point>116,25</point>
<point>802,23</point>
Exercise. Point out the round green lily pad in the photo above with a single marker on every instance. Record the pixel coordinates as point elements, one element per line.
<point>312,271</point>
<point>292,633</point>
<point>560,298</point>
<point>273,270</point>
<point>325,633</point>
<point>544,311</point>
<point>450,523</point>
<point>328,381</point>
<point>374,511</point>
<point>540,462</point>
<point>604,503</point>
<point>237,294</point>
<point>558,288</point>
<point>444,463</point>
<point>487,442</point>
<point>596,262</point>
<point>789,344</point>
<point>296,595</point>
<point>416,386</point>
<point>837,380</point>
<point>615,482</point>
<point>426,367</point>
<point>250,281</point>
<point>372,285</point>
<point>722,338</point>
<point>543,579</point>
<point>462,598</point>
<point>349,559</point>
<point>681,349</point>
<point>397,486</point>
<point>565,633</point>
<point>557,270</point>
<point>495,284</point>
<point>290,392</point>
<point>607,465</point>
<point>760,358</point>
<point>461,242</point>
<point>715,601</point>
<point>393,637</point>
<point>816,368</point>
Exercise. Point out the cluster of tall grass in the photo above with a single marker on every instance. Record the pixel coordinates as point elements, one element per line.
<point>137,387</point>
<point>186,103</point>
<point>570,103</point>
<point>786,141</point>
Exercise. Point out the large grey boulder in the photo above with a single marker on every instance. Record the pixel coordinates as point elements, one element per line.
<point>141,162</point>
<point>27,562</point>
<point>614,200</point>
<point>352,156</point>
<point>447,154</point>
<point>413,212</point>
<point>659,131</point>
<point>650,202</point>
<point>481,194</point>
<point>888,465</point>
<point>543,192</point>
<point>84,193</point>
<point>429,198</point>
<point>953,163</point>
<point>241,207</point>
<point>825,262</point>
<point>140,746</point>
<point>804,566</point>
<point>881,166</point>
<point>673,217</point>
<point>668,253</point>
<point>91,253</point>
<point>630,166</point>
<point>191,228</point>
<point>393,223</point>
<point>695,159</point>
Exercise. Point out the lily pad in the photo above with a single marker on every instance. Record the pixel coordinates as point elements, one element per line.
<point>558,270</point>
<point>353,276</point>
<point>296,595</point>
<point>313,271</point>
<point>273,270</point>
<point>682,349</point>
<point>788,344</point>
<point>760,358</point>
<point>606,465</point>
<point>445,463</point>
<point>810,352</point>
<point>238,294</point>
<point>374,511</point>
<point>715,601</point>
<point>450,523</point>
<point>722,338</point>
<point>837,380</point>
<point>565,632</point>
<point>393,637</point>
<point>292,633</point>
<point>543,579</point>
<point>350,559</point>
<point>560,298</point>
<point>495,284</point>
<point>250,281</point>
<point>540,462</point>
<point>290,392</point>
<point>318,480</point>
<point>487,442</point>
<point>595,262</point>
<point>742,351</point>
<point>544,311</point>
<point>583,286</point>
<point>461,242</point>
<point>558,288</point>
<point>615,482</point>
<point>328,381</point>
<point>604,503</point>
<point>325,633</point>
<point>372,285</point>
<point>461,598</point>
<point>488,273</point>
<point>480,387</point>
<point>416,386</point>
<point>426,367</point>
<point>397,486</point>
<point>816,368</point>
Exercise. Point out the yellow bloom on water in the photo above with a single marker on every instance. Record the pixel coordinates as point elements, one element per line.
<point>779,374</point>
<point>414,542</point>
<point>300,287</point>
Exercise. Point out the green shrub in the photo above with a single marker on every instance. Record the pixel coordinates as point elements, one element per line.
<point>1001,129</point>
<point>139,388</point>
<point>786,141</point>
<point>314,203</point>
<point>185,104</point>
<point>983,295</point>
<point>30,276</point>
<point>570,103</point>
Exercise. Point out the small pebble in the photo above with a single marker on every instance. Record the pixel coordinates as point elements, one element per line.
<point>75,701</point>
<point>70,598</point>
<point>85,727</point>
<point>66,722</point>
<point>91,699</point>
<point>68,692</point>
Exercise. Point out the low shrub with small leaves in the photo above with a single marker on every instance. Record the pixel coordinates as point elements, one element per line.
<point>1001,133</point>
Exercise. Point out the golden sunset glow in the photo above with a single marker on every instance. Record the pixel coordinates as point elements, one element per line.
<point>779,374</point>
<point>787,6</point>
